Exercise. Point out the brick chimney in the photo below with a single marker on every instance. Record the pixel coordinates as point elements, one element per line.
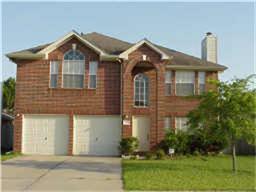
<point>209,47</point>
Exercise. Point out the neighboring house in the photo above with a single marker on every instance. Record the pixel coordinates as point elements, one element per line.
<point>6,132</point>
<point>82,93</point>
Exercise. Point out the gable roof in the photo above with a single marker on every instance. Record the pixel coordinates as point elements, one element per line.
<point>111,48</point>
<point>125,54</point>
<point>67,37</point>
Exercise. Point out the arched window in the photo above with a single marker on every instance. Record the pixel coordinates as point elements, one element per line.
<point>73,69</point>
<point>141,90</point>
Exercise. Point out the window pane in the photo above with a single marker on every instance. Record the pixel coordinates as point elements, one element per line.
<point>93,66</point>
<point>53,80</point>
<point>181,123</point>
<point>201,77</point>
<point>92,81</point>
<point>141,95</point>
<point>201,88</point>
<point>73,81</point>
<point>167,123</point>
<point>184,89</point>
<point>168,89</point>
<point>54,67</point>
<point>185,76</point>
<point>168,77</point>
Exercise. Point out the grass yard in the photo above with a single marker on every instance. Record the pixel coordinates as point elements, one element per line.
<point>189,173</point>
<point>9,155</point>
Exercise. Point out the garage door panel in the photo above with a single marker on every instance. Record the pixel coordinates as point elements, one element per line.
<point>45,134</point>
<point>97,135</point>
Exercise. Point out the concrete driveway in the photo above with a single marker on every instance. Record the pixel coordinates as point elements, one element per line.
<point>59,173</point>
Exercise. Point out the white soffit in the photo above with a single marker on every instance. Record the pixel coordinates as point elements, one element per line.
<point>64,39</point>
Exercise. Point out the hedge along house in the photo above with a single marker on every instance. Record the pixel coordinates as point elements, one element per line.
<point>82,93</point>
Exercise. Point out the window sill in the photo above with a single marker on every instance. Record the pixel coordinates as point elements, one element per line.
<point>67,89</point>
<point>140,107</point>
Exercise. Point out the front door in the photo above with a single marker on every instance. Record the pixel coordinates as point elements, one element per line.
<point>140,129</point>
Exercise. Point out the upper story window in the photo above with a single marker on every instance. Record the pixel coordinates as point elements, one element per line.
<point>168,83</point>
<point>93,67</point>
<point>185,83</point>
<point>201,82</point>
<point>54,70</point>
<point>181,123</point>
<point>141,86</point>
<point>73,69</point>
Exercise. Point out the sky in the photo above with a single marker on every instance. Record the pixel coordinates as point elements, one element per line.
<point>179,26</point>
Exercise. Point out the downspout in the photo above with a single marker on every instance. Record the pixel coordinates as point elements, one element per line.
<point>157,106</point>
<point>121,94</point>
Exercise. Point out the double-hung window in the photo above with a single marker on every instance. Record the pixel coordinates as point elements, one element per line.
<point>73,69</point>
<point>167,123</point>
<point>185,83</point>
<point>201,82</point>
<point>141,86</point>
<point>93,67</point>
<point>168,83</point>
<point>54,69</point>
<point>181,123</point>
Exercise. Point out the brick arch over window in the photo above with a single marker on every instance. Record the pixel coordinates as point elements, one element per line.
<point>132,63</point>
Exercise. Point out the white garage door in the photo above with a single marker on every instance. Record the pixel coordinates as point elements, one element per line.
<point>96,135</point>
<point>45,134</point>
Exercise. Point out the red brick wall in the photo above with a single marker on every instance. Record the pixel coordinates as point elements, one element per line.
<point>33,95</point>
<point>161,106</point>
<point>154,69</point>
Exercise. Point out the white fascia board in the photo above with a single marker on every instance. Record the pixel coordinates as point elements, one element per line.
<point>63,39</point>
<point>125,54</point>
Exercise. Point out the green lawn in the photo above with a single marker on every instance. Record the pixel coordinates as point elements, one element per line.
<point>10,155</point>
<point>189,173</point>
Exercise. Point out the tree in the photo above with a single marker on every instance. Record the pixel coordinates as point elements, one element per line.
<point>227,113</point>
<point>8,95</point>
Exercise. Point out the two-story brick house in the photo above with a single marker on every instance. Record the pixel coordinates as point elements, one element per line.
<point>82,93</point>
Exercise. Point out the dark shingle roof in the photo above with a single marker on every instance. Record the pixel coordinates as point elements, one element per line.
<point>113,46</point>
<point>108,44</point>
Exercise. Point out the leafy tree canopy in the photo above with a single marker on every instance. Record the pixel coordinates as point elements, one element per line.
<point>8,95</point>
<point>228,112</point>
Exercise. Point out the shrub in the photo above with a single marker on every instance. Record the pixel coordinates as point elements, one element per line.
<point>200,141</point>
<point>196,153</point>
<point>128,145</point>
<point>178,141</point>
<point>170,141</point>
<point>160,154</point>
<point>150,156</point>
<point>182,144</point>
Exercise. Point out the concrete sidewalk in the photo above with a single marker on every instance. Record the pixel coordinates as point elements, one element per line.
<point>61,173</point>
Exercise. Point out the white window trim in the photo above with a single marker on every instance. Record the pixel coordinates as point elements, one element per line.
<point>199,83</point>
<point>168,82</point>
<point>62,79</point>
<point>50,73</point>
<point>176,83</point>
<point>96,74</point>
<point>169,119</point>
<point>178,128</point>
<point>134,92</point>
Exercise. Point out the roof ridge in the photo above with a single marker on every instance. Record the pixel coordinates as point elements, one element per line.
<point>110,37</point>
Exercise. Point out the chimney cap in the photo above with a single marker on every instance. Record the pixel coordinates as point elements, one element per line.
<point>209,33</point>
